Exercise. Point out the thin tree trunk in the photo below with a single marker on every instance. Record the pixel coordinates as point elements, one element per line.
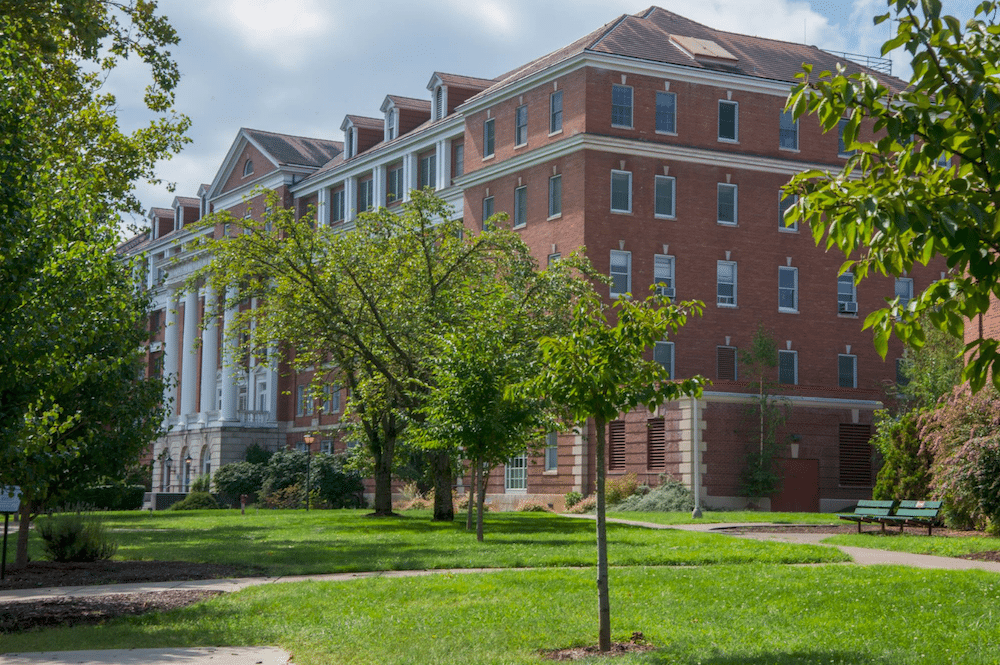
<point>383,467</point>
<point>24,523</point>
<point>470,495</point>
<point>603,599</point>
<point>444,506</point>
<point>484,479</point>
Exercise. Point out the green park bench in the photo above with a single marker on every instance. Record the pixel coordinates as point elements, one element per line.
<point>916,513</point>
<point>869,512</point>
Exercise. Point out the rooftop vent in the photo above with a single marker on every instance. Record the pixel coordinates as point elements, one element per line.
<point>703,50</point>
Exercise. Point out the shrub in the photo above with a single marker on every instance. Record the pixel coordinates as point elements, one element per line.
<point>284,469</point>
<point>573,498</point>
<point>257,455</point>
<point>670,496</point>
<point>108,497</point>
<point>196,501</point>
<point>75,538</point>
<point>417,504</point>
<point>906,466</point>
<point>202,483</point>
<point>619,489</point>
<point>287,497</point>
<point>238,478</point>
<point>335,487</point>
<point>586,505</point>
<point>532,507</point>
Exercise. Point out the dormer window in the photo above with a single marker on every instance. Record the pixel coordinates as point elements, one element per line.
<point>247,168</point>
<point>440,107</point>
<point>390,125</point>
<point>349,142</point>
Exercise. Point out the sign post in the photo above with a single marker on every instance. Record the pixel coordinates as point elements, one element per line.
<point>10,502</point>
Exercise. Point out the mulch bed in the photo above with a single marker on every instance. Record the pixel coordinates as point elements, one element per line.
<point>43,574</point>
<point>637,644</point>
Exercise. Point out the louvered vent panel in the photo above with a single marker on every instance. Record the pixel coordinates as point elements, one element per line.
<point>616,443</point>
<point>856,468</point>
<point>656,444</point>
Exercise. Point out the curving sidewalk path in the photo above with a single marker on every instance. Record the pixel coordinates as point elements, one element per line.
<point>273,656</point>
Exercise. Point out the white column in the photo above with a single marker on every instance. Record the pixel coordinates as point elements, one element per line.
<point>443,175</point>
<point>272,382</point>
<point>171,352</point>
<point>150,275</point>
<point>378,186</point>
<point>189,361</point>
<point>350,199</point>
<point>209,353</point>
<point>323,207</point>
<point>409,174</point>
<point>229,359</point>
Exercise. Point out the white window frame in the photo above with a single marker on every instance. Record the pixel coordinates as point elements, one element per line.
<point>783,119</point>
<point>521,128</point>
<point>427,171</point>
<point>664,351</point>
<point>847,301</point>
<point>515,474</point>
<point>627,256</point>
<point>555,114</point>
<point>555,196</point>
<point>337,205</point>
<point>904,299</point>
<point>854,377</point>
<point>489,137</point>
<point>521,207</point>
<point>628,181</point>
<point>783,353</point>
<point>736,121</point>
<point>794,289</point>
<point>247,168</point>
<point>488,207</point>
<point>368,188</point>
<point>671,183</point>
<point>720,300</point>
<point>552,259</point>
<point>458,160</point>
<point>673,119</point>
<point>394,184</point>
<point>734,189</point>
<point>664,272</point>
<point>552,452</point>
<point>630,106</point>
<point>791,200</point>
<point>326,446</point>
<point>300,402</point>
<point>390,124</point>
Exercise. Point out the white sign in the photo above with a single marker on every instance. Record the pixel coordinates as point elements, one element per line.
<point>10,499</point>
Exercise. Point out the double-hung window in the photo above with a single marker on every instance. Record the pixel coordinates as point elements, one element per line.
<point>487,210</point>
<point>621,106</point>
<point>788,131</point>
<point>663,353</point>
<point>552,451</point>
<point>394,191</point>
<point>555,111</point>
<point>337,206</point>
<point>904,291</point>
<point>788,289</point>
<point>521,125</point>
<point>520,206</point>
<point>621,191</point>
<point>663,275</point>
<point>365,195</point>
<point>428,171</point>
<point>729,121</point>
<point>665,189</point>
<point>303,402</point>
<point>666,112</point>
<point>788,367</point>
<point>726,284</point>
<point>847,371</point>
<point>621,273</point>
<point>727,204</point>
<point>784,203</point>
<point>489,137</point>
<point>847,294</point>
<point>555,196</point>
<point>458,161</point>
<point>515,475</point>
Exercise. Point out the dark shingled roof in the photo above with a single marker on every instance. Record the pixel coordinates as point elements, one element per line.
<point>296,150</point>
<point>410,103</point>
<point>133,244</point>
<point>367,123</point>
<point>646,36</point>
<point>188,201</point>
<point>162,212</point>
<point>460,81</point>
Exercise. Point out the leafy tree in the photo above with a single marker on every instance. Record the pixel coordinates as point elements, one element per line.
<point>238,478</point>
<point>370,305</point>
<point>759,477</point>
<point>72,406</point>
<point>598,370</point>
<point>932,371</point>
<point>897,202</point>
<point>906,465</point>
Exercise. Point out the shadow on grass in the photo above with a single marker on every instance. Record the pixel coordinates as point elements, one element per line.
<point>817,657</point>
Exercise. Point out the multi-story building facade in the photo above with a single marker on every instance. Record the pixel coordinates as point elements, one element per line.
<point>657,144</point>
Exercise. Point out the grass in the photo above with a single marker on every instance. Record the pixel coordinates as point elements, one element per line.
<point>296,542</point>
<point>718,615</point>
<point>714,517</point>
<point>915,543</point>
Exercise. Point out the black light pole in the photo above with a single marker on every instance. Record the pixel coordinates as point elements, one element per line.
<point>309,439</point>
<point>187,473</point>
<point>170,465</point>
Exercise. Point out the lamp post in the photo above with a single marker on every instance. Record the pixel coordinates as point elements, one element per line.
<point>169,464</point>
<point>309,439</point>
<point>187,472</point>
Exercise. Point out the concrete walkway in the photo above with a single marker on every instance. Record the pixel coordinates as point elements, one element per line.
<point>272,656</point>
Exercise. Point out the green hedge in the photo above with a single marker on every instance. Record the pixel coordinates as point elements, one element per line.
<point>109,497</point>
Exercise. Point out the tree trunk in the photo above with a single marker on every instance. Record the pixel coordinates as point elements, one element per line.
<point>470,495</point>
<point>444,506</point>
<point>484,479</point>
<point>24,523</point>
<point>603,600</point>
<point>383,473</point>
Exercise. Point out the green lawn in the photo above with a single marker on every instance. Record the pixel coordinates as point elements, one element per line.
<point>714,615</point>
<point>713,517</point>
<point>296,542</point>
<point>914,542</point>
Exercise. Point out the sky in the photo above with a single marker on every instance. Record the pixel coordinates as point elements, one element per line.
<point>299,66</point>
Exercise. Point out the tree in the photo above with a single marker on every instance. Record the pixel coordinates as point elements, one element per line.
<point>370,305</point>
<point>900,199</point>
<point>72,405</point>
<point>759,477</point>
<point>598,371</point>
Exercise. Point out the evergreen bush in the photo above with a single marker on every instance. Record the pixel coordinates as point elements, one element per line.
<point>670,496</point>
<point>196,501</point>
<point>75,538</point>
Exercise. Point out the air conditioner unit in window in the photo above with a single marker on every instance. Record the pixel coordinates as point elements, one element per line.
<point>665,291</point>
<point>849,307</point>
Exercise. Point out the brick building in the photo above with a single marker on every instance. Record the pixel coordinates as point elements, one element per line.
<point>656,143</point>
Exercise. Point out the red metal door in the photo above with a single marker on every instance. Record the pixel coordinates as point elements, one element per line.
<point>799,486</point>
